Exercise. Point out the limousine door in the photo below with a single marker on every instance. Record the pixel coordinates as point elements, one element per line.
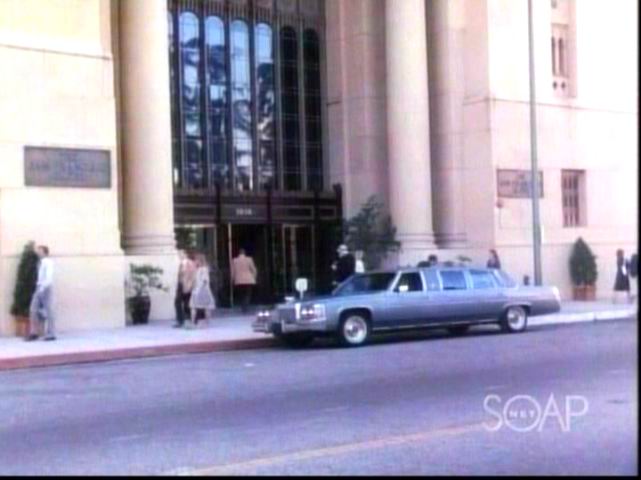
<point>453,302</point>
<point>488,298</point>
<point>408,301</point>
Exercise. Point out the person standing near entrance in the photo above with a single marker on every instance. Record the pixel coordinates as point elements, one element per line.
<point>201,296</point>
<point>243,276</point>
<point>40,317</point>
<point>345,266</point>
<point>186,279</point>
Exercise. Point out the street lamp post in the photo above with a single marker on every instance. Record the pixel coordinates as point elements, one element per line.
<point>536,221</point>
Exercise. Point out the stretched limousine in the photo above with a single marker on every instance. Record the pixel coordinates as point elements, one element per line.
<point>410,298</point>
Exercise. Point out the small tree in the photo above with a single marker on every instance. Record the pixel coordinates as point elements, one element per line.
<point>583,269</point>
<point>25,281</point>
<point>371,231</point>
<point>143,278</point>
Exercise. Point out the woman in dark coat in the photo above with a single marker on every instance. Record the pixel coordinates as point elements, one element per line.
<point>622,280</point>
<point>493,261</point>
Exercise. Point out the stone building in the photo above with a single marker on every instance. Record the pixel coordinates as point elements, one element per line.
<point>127,126</point>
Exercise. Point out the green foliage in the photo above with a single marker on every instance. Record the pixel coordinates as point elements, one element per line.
<point>25,281</point>
<point>583,268</point>
<point>371,231</point>
<point>142,278</point>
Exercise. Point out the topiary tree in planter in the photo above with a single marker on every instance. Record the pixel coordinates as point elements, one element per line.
<point>26,280</point>
<point>142,278</point>
<point>583,271</point>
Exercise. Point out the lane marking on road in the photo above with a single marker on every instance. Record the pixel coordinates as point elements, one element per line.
<point>315,453</point>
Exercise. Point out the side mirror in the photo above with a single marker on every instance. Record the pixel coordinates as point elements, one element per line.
<point>403,288</point>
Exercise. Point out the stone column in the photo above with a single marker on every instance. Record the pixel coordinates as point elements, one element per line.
<point>146,128</point>
<point>408,127</point>
<point>445,36</point>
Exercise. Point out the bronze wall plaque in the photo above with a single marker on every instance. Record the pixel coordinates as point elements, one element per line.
<point>67,167</point>
<point>516,183</point>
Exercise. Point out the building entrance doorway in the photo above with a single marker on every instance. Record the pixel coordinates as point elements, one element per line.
<point>281,253</point>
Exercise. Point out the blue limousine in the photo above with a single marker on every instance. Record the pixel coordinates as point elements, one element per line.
<point>410,298</point>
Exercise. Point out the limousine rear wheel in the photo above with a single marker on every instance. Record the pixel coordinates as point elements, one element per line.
<point>514,320</point>
<point>354,330</point>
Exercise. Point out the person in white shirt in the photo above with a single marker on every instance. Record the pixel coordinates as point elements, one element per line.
<point>360,265</point>
<point>40,310</point>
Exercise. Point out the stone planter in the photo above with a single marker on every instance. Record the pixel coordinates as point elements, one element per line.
<point>139,307</point>
<point>22,326</point>
<point>586,293</point>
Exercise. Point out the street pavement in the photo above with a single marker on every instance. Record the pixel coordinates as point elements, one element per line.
<point>423,403</point>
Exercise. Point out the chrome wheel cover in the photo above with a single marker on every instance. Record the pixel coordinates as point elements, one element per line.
<point>516,318</point>
<point>355,330</point>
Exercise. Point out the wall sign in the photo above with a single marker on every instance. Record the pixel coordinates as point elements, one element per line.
<point>516,183</point>
<point>67,167</point>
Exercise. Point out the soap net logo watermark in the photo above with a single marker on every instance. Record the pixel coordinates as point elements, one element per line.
<point>525,413</point>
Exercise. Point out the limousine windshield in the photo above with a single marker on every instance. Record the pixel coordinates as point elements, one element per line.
<point>366,283</point>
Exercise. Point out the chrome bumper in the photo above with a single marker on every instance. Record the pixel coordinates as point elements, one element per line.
<point>272,324</point>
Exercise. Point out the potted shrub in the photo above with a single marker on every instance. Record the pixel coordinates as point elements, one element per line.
<point>142,278</point>
<point>371,231</point>
<point>583,271</point>
<point>26,280</point>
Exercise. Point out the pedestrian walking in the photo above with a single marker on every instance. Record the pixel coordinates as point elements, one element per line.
<point>243,275</point>
<point>494,261</point>
<point>201,295</point>
<point>622,279</point>
<point>184,287</point>
<point>345,266</point>
<point>41,321</point>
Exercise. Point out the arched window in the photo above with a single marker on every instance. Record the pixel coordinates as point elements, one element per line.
<point>243,152</point>
<point>245,96</point>
<point>313,126</point>
<point>290,109</point>
<point>193,170</point>
<point>216,74</point>
<point>266,103</point>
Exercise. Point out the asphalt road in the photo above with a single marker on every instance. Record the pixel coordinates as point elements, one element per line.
<point>555,400</point>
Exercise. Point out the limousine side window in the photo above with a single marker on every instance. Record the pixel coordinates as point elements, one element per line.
<point>433,284</point>
<point>482,279</point>
<point>453,280</point>
<point>409,282</point>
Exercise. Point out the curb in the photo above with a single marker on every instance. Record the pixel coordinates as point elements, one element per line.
<point>581,317</point>
<point>59,359</point>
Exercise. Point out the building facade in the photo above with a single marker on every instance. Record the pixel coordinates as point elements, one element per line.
<point>131,128</point>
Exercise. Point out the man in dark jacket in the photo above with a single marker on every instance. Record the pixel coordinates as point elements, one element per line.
<point>345,265</point>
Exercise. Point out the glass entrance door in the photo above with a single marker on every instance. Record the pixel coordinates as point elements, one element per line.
<point>293,258</point>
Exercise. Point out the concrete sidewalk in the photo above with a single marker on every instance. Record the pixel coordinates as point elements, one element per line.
<point>227,332</point>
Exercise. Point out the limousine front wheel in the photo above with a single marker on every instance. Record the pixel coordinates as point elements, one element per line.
<point>354,330</point>
<point>514,320</point>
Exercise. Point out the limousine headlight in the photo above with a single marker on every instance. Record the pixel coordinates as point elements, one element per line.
<point>264,314</point>
<point>313,313</point>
